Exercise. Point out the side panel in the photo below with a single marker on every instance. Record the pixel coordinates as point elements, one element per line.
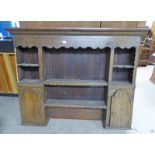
<point>32,105</point>
<point>120,107</point>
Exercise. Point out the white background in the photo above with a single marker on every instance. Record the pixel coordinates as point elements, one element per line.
<point>16,10</point>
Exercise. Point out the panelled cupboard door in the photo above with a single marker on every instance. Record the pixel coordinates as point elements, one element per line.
<point>31,100</point>
<point>121,109</point>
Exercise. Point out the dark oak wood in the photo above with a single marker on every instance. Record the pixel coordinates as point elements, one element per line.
<point>76,92</point>
<point>97,24</point>
<point>120,110</point>
<point>122,74</point>
<point>28,65</point>
<point>82,73</point>
<point>121,105</point>
<point>32,110</point>
<point>27,55</point>
<point>84,64</point>
<point>75,82</point>
<point>51,24</point>
<point>80,31</point>
<point>85,104</point>
<point>28,72</point>
<point>74,113</point>
<point>124,56</point>
<point>123,66</point>
<point>123,24</point>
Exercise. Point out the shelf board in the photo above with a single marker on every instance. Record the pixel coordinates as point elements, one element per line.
<point>123,66</point>
<point>72,82</point>
<point>80,104</point>
<point>27,65</point>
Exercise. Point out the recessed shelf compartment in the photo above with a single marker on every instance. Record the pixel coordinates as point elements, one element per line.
<point>27,55</point>
<point>28,72</point>
<point>70,63</point>
<point>124,56</point>
<point>122,74</point>
<point>76,93</point>
<point>80,104</point>
<point>73,82</point>
<point>28,65</point>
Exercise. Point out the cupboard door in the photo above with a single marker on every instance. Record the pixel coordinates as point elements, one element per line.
<point>31,104</point>
<point>121,109</point>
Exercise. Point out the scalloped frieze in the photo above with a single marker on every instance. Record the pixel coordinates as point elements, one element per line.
<point>77,41</point>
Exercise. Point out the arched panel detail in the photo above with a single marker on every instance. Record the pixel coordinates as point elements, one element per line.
<point>31,100</point>
<point>121,109</point>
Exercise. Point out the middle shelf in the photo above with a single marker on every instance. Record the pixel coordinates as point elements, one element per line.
<point>123,66</point>
<point>75,82</point>
<point>27,65</point>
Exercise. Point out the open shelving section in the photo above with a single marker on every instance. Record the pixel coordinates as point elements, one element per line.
<point>27,55</point>
<point>76,78</point>
<point>82,64</point>
<point>77,74</point>
<point>123,65</point>
<point>27,62</point>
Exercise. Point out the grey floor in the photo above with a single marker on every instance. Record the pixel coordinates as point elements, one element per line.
<point>143,114</point>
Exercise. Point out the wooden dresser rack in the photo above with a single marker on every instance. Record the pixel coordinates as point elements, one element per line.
<point>77,73</point>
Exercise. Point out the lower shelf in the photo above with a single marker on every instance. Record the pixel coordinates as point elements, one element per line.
<point>73,82</point>
<point>79,104</point>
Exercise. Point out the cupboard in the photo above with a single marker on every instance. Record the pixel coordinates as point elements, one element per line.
<point>77,73</point>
